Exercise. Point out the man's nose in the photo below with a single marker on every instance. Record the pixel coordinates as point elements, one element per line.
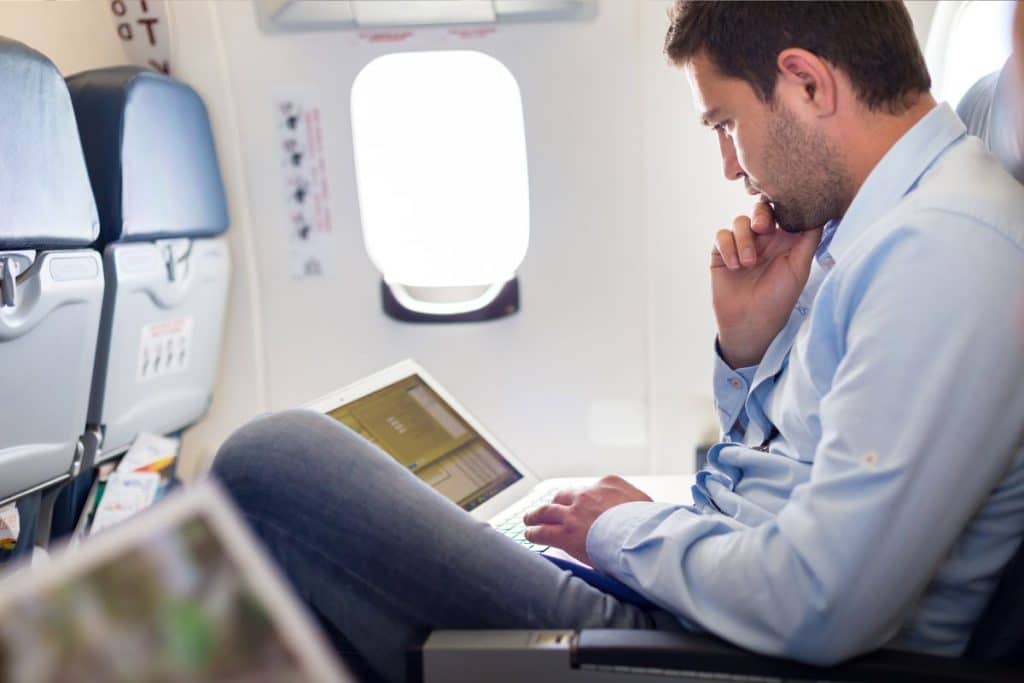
<point>730,164</point>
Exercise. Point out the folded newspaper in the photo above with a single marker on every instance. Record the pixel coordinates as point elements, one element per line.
<point>10,527</point>
<point>140,478</point>
<point>126,494</point>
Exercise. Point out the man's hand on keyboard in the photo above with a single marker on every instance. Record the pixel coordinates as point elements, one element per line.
<point>566,520</point>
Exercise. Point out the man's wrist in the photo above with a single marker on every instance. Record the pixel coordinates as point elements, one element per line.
<point>738,355</point>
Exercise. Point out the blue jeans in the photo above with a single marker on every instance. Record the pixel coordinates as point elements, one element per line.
<point>381,558</point>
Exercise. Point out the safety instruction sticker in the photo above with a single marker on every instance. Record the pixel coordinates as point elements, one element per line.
<point>142,27</point>
<point>303,184</point>
<point>165,348</point>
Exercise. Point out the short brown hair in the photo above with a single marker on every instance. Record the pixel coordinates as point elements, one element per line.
<point>873,43</point>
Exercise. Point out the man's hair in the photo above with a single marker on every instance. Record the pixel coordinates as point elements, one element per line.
<point>873,43</point>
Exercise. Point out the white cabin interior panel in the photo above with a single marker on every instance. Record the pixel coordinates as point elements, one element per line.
<point>606,367</point>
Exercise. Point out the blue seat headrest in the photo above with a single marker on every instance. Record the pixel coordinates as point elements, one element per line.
<point>45,200</point>
<point>991,109</point>
<point>150,153</point>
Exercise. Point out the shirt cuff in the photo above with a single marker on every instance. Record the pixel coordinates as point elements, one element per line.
<point>731,390</point>
<point>610,531</point>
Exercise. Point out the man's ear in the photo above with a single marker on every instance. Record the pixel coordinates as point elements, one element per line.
<point>808,80</point>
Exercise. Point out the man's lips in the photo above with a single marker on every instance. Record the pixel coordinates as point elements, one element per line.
<point>761,196</point>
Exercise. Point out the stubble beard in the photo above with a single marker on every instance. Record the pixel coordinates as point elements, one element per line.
<point>815,186</point>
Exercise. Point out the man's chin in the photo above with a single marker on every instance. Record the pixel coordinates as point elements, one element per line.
<point>786,221</point>
<point>793,224</point>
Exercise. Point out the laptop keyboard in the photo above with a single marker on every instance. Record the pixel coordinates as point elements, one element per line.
<point>511,524</point>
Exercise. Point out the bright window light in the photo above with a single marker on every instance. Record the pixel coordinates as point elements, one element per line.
<point>967,40</point>
<point>440,156</point>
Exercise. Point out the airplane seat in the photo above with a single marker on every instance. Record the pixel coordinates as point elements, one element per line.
<point>993,110</point>
<point>51,281</point>
<point>995,651</point>
<point>154,172</point>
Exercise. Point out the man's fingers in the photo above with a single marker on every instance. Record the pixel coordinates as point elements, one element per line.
<point>744,238</point>
<point>763,220</point>
<point>544,535</point>
<point>546,514</point>
<point>725,245</point>
<point>564,497</point>
<point>805,247</point>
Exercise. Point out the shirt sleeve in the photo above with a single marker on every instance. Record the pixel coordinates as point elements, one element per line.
<point>920,424</point>
<point>731,390</point>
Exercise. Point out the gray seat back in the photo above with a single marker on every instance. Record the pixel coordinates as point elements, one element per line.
<point>154,172</point>
<point>991,109</point>
<point>51,282</point>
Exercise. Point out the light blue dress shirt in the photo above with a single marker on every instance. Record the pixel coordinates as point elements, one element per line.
<point>888,489</point>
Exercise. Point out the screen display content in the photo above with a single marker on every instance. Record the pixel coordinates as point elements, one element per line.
<point>414,425</point>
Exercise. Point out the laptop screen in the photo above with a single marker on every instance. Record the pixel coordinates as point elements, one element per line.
<point>410,422</point>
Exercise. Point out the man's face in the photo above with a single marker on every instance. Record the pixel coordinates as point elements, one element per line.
<point>786,161</point>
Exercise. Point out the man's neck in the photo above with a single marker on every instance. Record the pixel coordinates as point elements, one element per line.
<point>878,132</point>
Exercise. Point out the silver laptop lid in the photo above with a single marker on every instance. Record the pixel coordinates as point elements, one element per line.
<point>179,593</point>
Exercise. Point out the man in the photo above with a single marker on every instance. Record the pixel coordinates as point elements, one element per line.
<point>870,483</point>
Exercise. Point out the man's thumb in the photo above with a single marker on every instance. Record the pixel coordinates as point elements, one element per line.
<point>806,246</point>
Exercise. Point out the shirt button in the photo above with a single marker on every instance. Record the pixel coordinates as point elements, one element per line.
<point>735,383</point>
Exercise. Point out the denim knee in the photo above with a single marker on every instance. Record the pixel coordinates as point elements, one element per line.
<point>269,456</point>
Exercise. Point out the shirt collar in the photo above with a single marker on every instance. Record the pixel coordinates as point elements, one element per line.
<point>896,174</point>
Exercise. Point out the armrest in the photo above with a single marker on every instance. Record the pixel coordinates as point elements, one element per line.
<point>682,652</point>
<point>636,656</point>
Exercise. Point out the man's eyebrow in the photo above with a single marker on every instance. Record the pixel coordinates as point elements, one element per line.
<point>708,117</point>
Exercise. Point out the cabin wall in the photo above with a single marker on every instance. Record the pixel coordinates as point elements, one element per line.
<point>606,367</point>
<point>565,382</point>
<point>74,35</point>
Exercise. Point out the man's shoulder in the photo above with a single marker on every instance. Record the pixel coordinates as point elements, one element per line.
<point>965,207</point>
<point>966,187</point>
<point>962,223</point>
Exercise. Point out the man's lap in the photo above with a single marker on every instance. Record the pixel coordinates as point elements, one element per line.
<point>381,556</point>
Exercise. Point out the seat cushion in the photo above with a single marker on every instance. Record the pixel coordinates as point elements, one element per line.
<point>45,198</point>
<point>150,153</point>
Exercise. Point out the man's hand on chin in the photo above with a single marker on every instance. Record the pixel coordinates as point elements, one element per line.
<point>758,271</point>
<point>565,521</point>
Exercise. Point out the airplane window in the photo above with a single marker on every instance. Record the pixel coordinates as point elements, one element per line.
<point>440,155</point>
<point>967,41</point>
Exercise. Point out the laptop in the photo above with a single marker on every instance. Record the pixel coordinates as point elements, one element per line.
<point>410,416</point>
<point>180,592</point>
